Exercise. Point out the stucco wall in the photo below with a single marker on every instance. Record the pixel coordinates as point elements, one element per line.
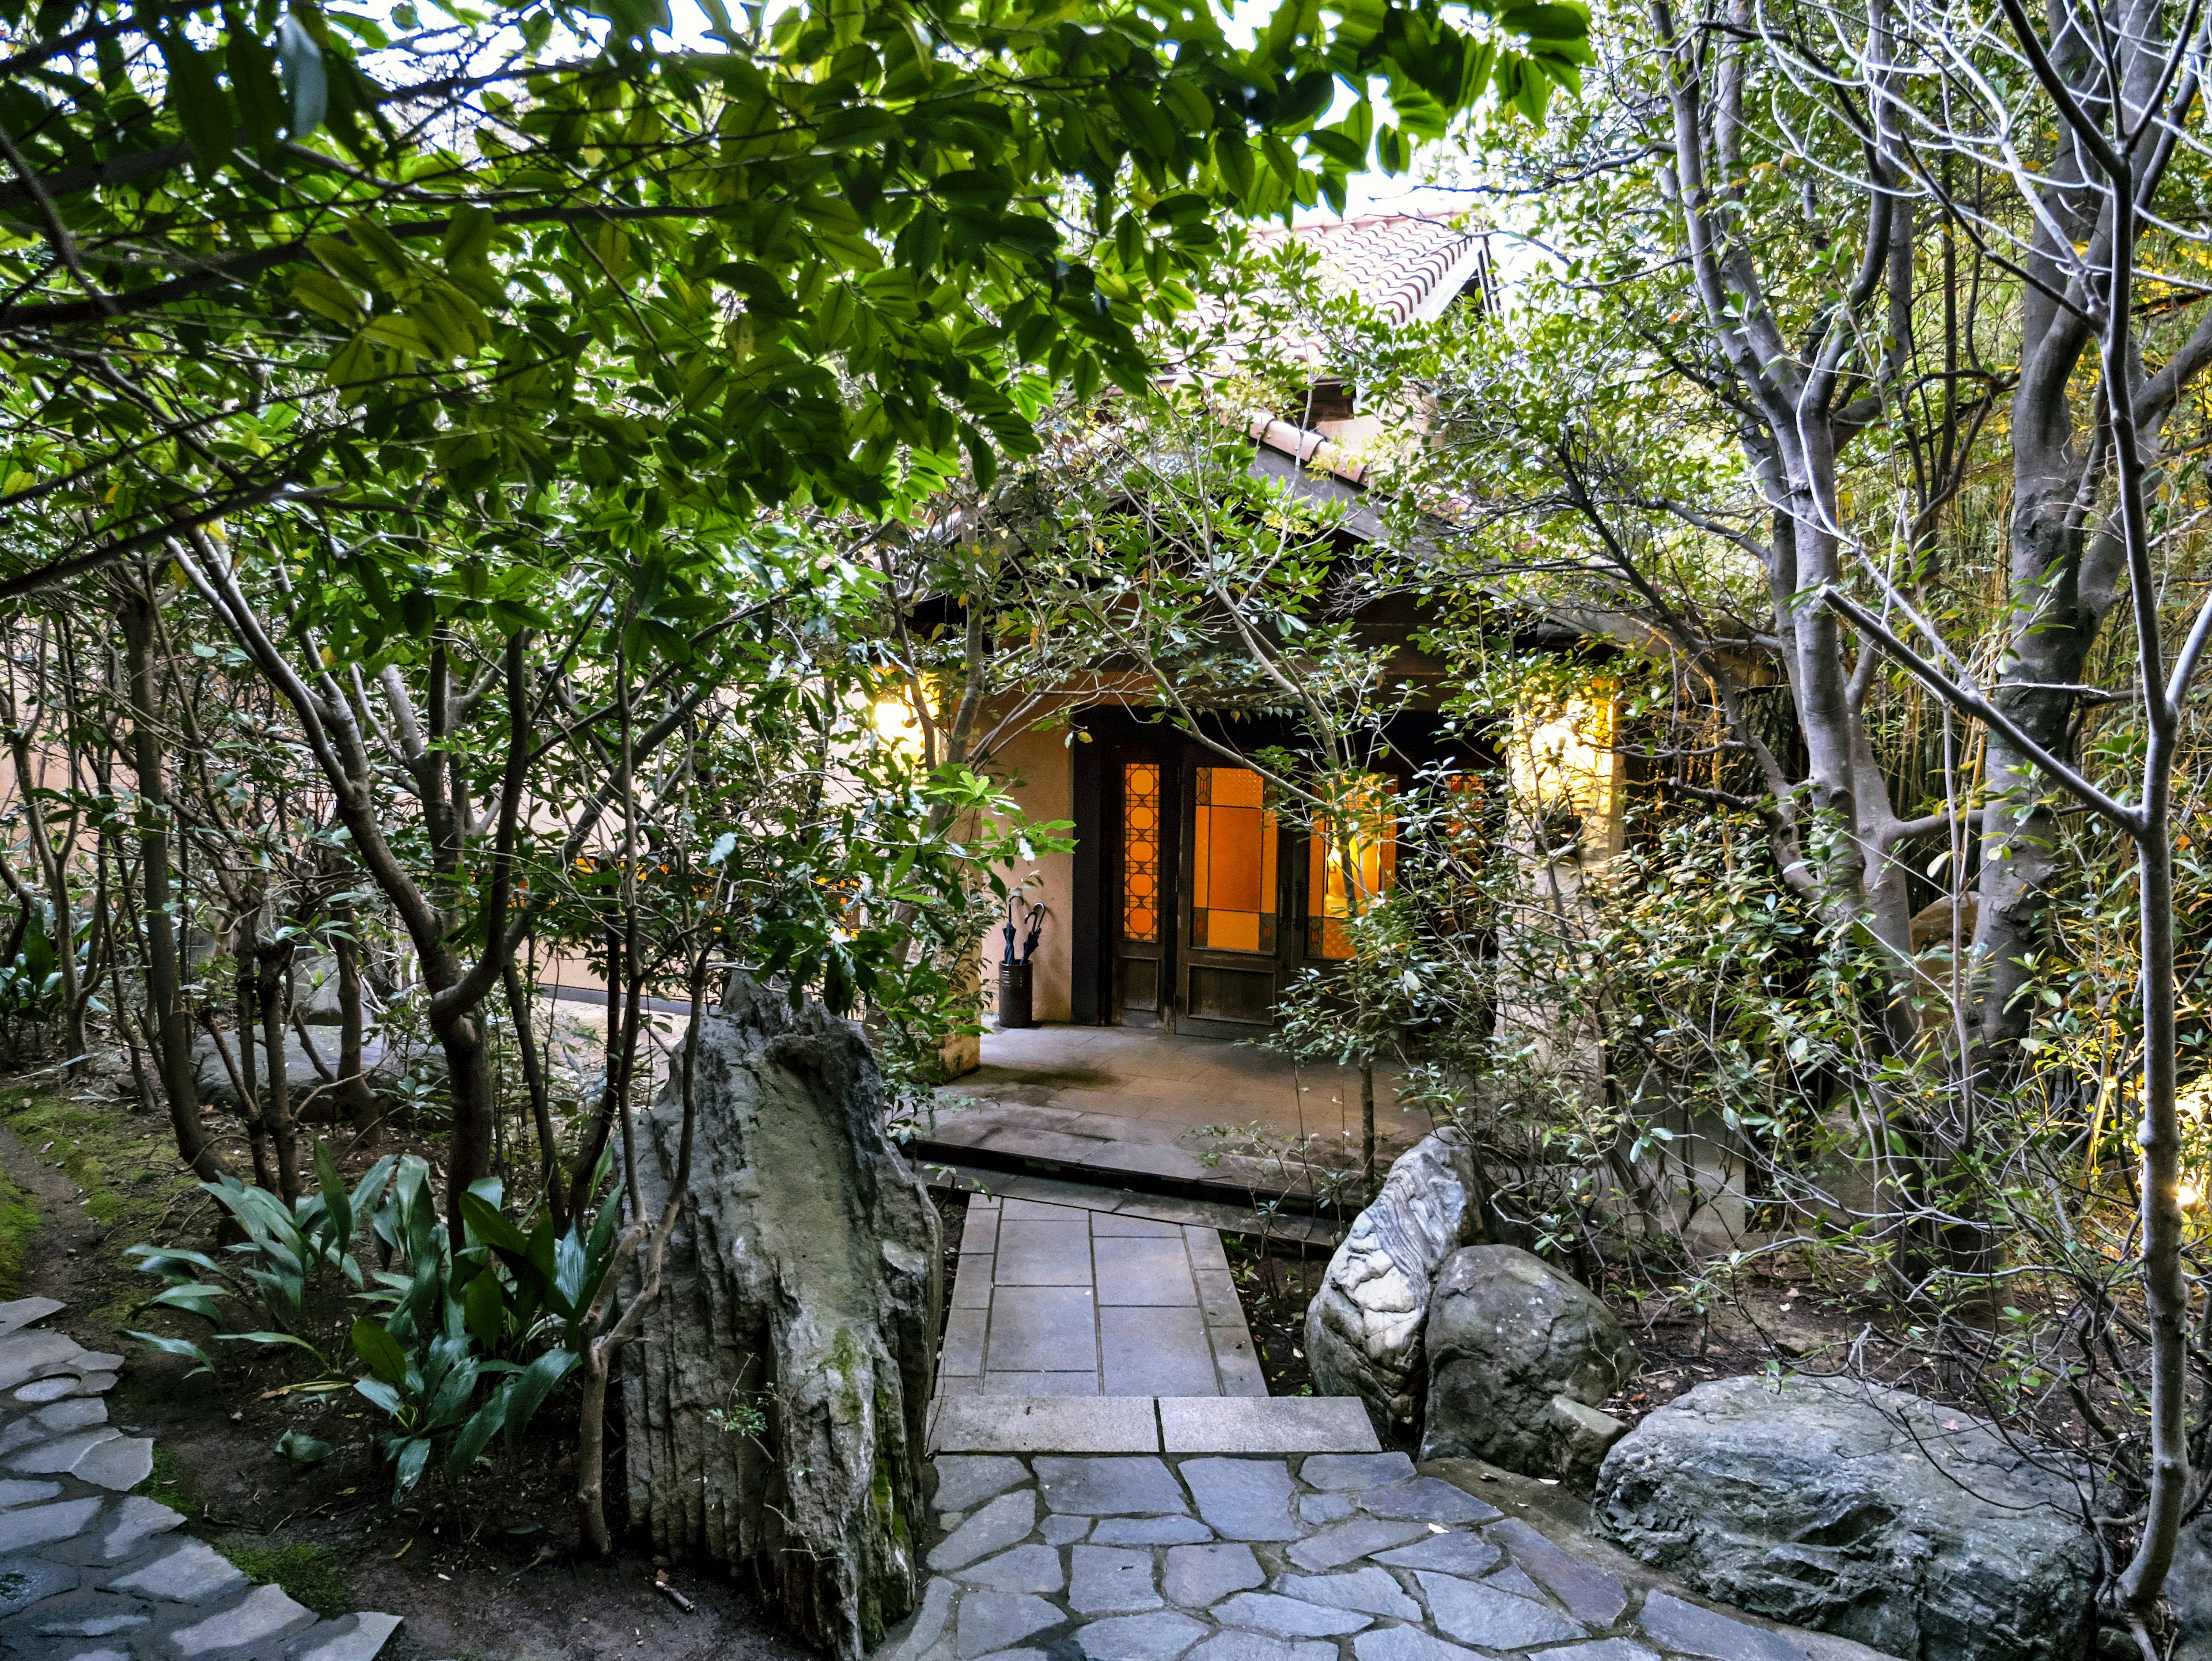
<point>1038,772</point>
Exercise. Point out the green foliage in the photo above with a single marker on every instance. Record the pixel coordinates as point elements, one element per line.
<point>285,1251</point>
<point>834,259</point>
<point>449,1361</point>
<point>308,1573</point>
<point>19,1227</point>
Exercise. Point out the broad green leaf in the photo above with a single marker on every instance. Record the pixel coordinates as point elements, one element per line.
<point>385,1359</point>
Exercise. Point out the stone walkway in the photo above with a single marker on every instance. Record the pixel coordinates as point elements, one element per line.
<point>91,1572</point>
<point>1303,1557</point>
<point>1105,1104</point>
<point>1059,1301</point>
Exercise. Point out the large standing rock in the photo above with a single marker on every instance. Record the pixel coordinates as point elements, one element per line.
<point>2189,1587</point>
<point>775,1403</point>
<point>382,1066</point>
<point>1520,1356</point>
<point>1363,1326</point>
<point>1862,1511</point>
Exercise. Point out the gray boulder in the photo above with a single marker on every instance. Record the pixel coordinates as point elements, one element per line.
<point>1520,1356</point>
<point>315,984</point>
<point>1862,1511</point>
<point>802,1285</point>
<point>1364,1328</point>
<point>383,1065</point>
<point>2189,1587</point>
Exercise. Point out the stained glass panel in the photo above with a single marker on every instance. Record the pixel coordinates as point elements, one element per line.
<point>1233,863</point>
<point>1140,851</point>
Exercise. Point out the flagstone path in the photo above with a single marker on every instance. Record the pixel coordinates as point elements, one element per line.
<point>1061,1300</point>
<point>91,1572</point>
<point>1045,1556</point>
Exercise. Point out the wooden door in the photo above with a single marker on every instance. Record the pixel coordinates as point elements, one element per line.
<point>1230,960</point>
<point>1141,916</point>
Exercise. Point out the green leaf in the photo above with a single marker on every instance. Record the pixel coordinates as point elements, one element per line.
<point>385,1359</point>
<point>486,1303</point>
<point>475,1435</point>
<point>306,86</point>
<point>184,1347</point>
<point>490,1226</point>
<point>382,1394</point>
<point>253,80</point>
<point>336,1207</point>
<point>195,1298</point>
<point>414,1455</point>
<point>302,1448</point>
<point>533,1386</point>
<point>268,1340</point>
<point>201,106</point>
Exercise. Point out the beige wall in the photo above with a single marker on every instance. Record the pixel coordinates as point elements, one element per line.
<point>1038,772</point>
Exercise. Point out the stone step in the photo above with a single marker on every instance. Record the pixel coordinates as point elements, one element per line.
<point>1150,1424</point>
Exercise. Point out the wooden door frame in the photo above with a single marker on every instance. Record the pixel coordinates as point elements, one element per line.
<point>1113,831</point>
<point>1277,963</point>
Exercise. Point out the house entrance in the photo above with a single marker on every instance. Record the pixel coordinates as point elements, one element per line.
<point>1207,893</point>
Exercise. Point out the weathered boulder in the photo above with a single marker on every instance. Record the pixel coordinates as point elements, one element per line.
<point>2189,1588</point>
<point>1364,1328</point>
<point>775,1403</point>
<point>1520,1356</point>
<point>315,987</point>
<point>1862,1511</point>
<point>384,1065</point>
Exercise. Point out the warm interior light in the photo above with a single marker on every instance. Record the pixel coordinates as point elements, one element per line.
<point>1566,756</point>
<point>2191,1193</point>
<point>1364,820</point>
<point>895,725</point>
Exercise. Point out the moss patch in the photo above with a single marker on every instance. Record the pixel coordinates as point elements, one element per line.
<point>166,1485</point>
<point>19,1226</point>
<point>124,1163</point>
<point>308,1573</point>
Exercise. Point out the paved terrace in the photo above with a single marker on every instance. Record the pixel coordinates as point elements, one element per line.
<point>1060,1300</point>
<point>1212,1530</point>
<point>1110,1105</point>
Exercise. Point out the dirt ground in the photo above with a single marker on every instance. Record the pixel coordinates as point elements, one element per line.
<point>483,1574</point>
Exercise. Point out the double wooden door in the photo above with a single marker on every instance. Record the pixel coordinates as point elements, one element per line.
<point>1202,895</point>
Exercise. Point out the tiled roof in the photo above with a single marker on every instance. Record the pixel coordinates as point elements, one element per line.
<point>1407,266</point>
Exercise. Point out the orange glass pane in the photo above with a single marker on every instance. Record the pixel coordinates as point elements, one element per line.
<point>1373,832</point>
<point>1140,851</point>
<point>1233,862</point>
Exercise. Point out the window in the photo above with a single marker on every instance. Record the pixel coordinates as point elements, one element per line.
<point>1232,906</point>
<point>1373,833</point>
<point>1140,851</point>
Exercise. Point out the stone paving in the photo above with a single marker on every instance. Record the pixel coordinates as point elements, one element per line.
<point>1060,1300</point>
<point>1310,1557</point>
<point>91,1572</point>
<point>1099,1103</point>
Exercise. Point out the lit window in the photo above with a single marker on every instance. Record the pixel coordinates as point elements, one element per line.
<point>1140,851</point>
<point>1371,828</point>
<point>1233,874</point>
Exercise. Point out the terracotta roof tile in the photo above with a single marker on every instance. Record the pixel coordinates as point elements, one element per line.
<point>1405,266</point>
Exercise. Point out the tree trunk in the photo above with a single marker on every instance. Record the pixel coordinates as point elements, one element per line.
<point>271,961</point>
<point>53,868</point>
<point>1366,1129</point>
<point>541,1109</point>
<point>357,1100</point>
<point>164,1000</point>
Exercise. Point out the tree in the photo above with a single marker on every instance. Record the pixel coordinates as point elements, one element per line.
<point>423,327</point>
<point>1902,348</point>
